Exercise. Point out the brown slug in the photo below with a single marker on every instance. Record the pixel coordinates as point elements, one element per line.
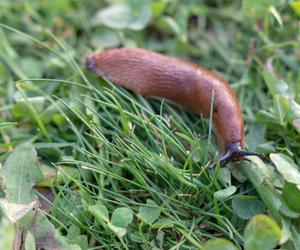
<point>152,74</point>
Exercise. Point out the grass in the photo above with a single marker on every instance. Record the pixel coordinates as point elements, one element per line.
<point>107,149</point>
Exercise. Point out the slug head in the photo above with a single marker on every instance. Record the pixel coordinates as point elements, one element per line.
<point>235,153</point>
<point>90,63</point>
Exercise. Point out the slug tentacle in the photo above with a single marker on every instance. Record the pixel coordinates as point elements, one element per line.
<point>236,153</point>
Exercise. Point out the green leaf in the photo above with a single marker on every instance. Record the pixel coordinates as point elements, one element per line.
<point>100,212</point>
<point>266,117</point>
<point>219,244</point>
<point>163,223</point>
<point>46,236</point>
<point>294,114</point>
<point>149,212</point>
<point>295,237</point>
<point>30,242</point>
<point>33,68</point>
<point>120,231</point>
<point>255,136</point>
<point>266,148</point>
<point>82,241</point>
<point>121,217</point>
<point>68,204</point>
<point>158,7</point>
<point>224,193</point>
<point>286,167</point>
<point>160,238</point>
<point>224,176</point>
<point>281,107</point>
<point>59,120</point>
<point>20,173</point>
<point>246,207</point>
<point>21,108</point>
<point>7,233</point>
<point>285,231</point>
<point>73,231</point>
<point>296,7</point>
<point>258,9</point>
<point>105,39</point>
<point>258,173</point>
<point>137,237</point>
<point>296,124</point>
<point>65,174</point>
<point>261,170</point>
<point>121,16</point>
<point>75,238</point>
<point>4,125</point>
<point>274,201</point>
<point>261,233</point>
<point>275,86</point>
<point>291,195</point>
<point>170,24</point>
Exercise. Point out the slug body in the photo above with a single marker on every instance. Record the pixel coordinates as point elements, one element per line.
<point>152,74</point>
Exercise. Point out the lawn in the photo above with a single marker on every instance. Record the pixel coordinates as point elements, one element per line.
<point>87,164</point>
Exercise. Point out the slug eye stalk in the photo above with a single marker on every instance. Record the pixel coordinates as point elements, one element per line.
<point>236,153</point>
